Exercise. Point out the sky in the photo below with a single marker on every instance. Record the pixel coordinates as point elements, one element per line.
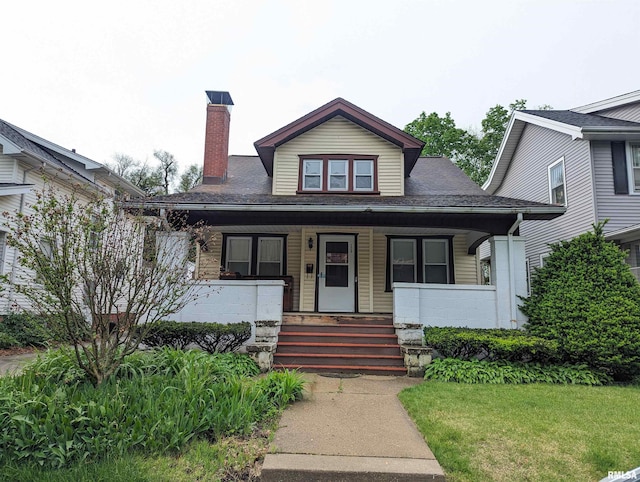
<point>129,76</point>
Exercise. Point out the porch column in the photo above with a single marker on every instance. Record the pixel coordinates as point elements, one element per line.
<point>508,274</point>
<point>172,247</point>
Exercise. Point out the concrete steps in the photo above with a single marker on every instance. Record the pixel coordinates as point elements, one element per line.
<point>339,344</point>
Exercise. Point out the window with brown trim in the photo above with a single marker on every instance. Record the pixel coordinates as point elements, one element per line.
<point>337,173</point>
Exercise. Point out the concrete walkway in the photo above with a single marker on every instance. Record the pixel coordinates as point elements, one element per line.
<point>11,364</point>
<point>350,429</point>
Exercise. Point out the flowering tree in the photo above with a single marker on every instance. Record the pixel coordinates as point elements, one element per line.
<point>97,274</point>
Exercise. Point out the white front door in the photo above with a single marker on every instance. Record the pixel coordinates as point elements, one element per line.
<point>337,273</point>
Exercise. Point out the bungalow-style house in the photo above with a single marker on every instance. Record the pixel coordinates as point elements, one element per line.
<point>25,161</point>
<point>339,207</point>
<point>586,159</point>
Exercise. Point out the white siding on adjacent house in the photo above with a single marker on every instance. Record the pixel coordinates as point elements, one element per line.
<point>8,169</point>
<point>629,112</point>
<point>527,178</point>
<point>338,136</point>
<point>622,210</point>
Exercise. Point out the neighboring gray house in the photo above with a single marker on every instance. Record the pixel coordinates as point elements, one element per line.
<point>587,159</point>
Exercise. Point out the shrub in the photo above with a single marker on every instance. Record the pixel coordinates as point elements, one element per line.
<point>211,337</point>
<point>586,299</point>
<point>26,329</point>
<point>7,341</point>
<point>500,372</point>
<point>490,344</point>
<point>157,403</point>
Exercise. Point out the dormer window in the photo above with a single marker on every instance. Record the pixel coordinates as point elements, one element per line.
<point>338,173</point>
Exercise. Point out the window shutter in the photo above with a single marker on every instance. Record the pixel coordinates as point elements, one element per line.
<point>619,158</point>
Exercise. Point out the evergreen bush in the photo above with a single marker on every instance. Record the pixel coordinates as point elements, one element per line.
<point>587,300</point>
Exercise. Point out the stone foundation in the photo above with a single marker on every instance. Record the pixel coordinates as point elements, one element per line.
<point>409,333</point>
<point>416,358</point>
<point>262,354</point>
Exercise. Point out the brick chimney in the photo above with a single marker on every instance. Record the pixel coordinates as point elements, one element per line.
<point>216,140</point>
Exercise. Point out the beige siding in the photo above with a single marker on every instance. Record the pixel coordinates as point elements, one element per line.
<point>308,282</point>
<point>527,178</point>
<point>339,136</point>
<point>382,300</point>
<point>294,245</point>
<point>365,273</point>
<point>208,262</point>
<point>463,263</point>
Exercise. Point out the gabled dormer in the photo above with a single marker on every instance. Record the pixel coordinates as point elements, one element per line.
<point>339,149</point>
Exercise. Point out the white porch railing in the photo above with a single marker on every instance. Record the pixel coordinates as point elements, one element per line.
<point>472,306</point>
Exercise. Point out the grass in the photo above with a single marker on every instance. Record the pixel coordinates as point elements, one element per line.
<point>534,432</point>
<point>228,459</point>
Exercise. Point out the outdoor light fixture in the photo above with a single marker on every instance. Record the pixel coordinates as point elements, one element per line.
<point>310,242</point>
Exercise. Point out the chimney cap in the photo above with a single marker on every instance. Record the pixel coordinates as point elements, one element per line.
<point>219,97</point>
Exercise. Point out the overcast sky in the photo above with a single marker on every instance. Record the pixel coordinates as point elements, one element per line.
<point>129,76</point>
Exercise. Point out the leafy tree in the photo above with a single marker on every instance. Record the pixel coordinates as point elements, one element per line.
<point>586,298</point>
<point>94,281</point>
<point>473,152</point>
<point>122,164</point>
<point>146,178</point>
<point>190,178</point>
<point>168,168</point>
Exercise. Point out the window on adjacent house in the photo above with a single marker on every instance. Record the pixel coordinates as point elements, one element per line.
<point>254,255</point>
<point>557,191</point>
<point>338,173</point>
<point>634,165</point>
<point>419,260</point>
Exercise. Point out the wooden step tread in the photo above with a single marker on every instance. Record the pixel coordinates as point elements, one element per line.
<point>338,355</point>
<point>350,368</point>
<point>341,345</point>
<point>338,326</point>
<point>341,335</point>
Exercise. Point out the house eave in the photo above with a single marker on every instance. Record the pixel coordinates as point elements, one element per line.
<point>531,211</point>
<point>620,100</point>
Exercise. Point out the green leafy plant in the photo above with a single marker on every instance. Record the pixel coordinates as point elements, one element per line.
<point>26,328</point>
<point>156,402</point>
<point>490,344</point>
<point>475,371</point>
<point>586,299</point>
<point>211,337</point>
<point>7,341</point>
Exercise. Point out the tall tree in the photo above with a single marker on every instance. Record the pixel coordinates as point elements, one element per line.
<point>148,179</point>
<point>190,178</point>
<point>168,168</point>
<point>122,164</point>
<point>99,283</point>
<point>473,152</point>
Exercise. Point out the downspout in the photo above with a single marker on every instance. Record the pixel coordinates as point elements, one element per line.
<point>512,281</point>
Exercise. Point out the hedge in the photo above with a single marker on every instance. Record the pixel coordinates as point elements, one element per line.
<point>211,337</point>
<point>490,345</point>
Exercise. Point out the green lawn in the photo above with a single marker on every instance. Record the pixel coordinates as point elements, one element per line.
<point>534,432</point>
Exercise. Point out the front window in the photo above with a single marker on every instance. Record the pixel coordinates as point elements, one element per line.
<point>338,173</point>
<point>254,255</point>
<point>312,175</point>
<point>239,255</point>
<point>634,151</point>
<point>557,192</point>
<point>419,260</point>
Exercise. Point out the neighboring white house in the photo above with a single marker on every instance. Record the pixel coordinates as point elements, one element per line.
<point>586,159</point>
<point>25,161</point>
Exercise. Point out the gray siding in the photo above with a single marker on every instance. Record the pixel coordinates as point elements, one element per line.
<point>527,178</point>
<point>622,210</point>
<point>629,112</point>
